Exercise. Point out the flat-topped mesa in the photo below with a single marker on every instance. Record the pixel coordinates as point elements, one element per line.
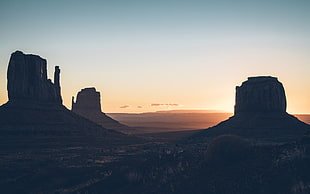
<point>87,100</point>
<point>260,94</point>
<point>27,80</point>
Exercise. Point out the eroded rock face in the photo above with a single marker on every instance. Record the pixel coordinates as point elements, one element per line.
<point>260,94</point>
<point>87,100</point>
<point>27,79</point>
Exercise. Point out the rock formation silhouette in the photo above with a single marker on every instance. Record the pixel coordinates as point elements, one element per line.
<point>87,100</point>
<point>260,114</point>
<point>27,80</point>
<point>260,94</point>
<point>88,105</point>
<point>35,105</point>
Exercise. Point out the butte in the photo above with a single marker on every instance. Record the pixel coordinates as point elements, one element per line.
<point>88,105</point>
<point>260,114</point>
<point>35,110</point>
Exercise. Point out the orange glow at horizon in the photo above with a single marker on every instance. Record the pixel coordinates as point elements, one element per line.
<point>129,94</point>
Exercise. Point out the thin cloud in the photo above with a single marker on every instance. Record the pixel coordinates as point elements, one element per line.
<point>156,104</point>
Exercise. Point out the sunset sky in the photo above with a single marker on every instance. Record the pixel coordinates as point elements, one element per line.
<point>147,55</point>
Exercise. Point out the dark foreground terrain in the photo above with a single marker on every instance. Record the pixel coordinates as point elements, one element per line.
<point>64,158</point>
<point>57,161</point>
<point>228,164</point>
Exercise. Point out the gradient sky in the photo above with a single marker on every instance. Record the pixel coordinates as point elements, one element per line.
<point>142,52</point>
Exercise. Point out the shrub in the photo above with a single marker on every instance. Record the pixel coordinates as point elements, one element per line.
<point>227,149</point>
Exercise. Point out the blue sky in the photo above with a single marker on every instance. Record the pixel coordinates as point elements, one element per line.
<point>191,53</point>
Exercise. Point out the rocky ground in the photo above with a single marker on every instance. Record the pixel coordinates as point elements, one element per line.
<point>47,166</point>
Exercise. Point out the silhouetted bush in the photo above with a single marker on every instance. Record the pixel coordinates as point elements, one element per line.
<point>226,149</point>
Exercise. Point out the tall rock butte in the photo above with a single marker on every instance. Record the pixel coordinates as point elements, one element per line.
<point>88,105</point>
<point>35,107</point>
<point>27,80</point>
<point>260,114</point>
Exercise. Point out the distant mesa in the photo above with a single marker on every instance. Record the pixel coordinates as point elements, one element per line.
<point>260,114</point>
<point>87,100</point>
<point>35,104</point>
<point>88,105</point>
